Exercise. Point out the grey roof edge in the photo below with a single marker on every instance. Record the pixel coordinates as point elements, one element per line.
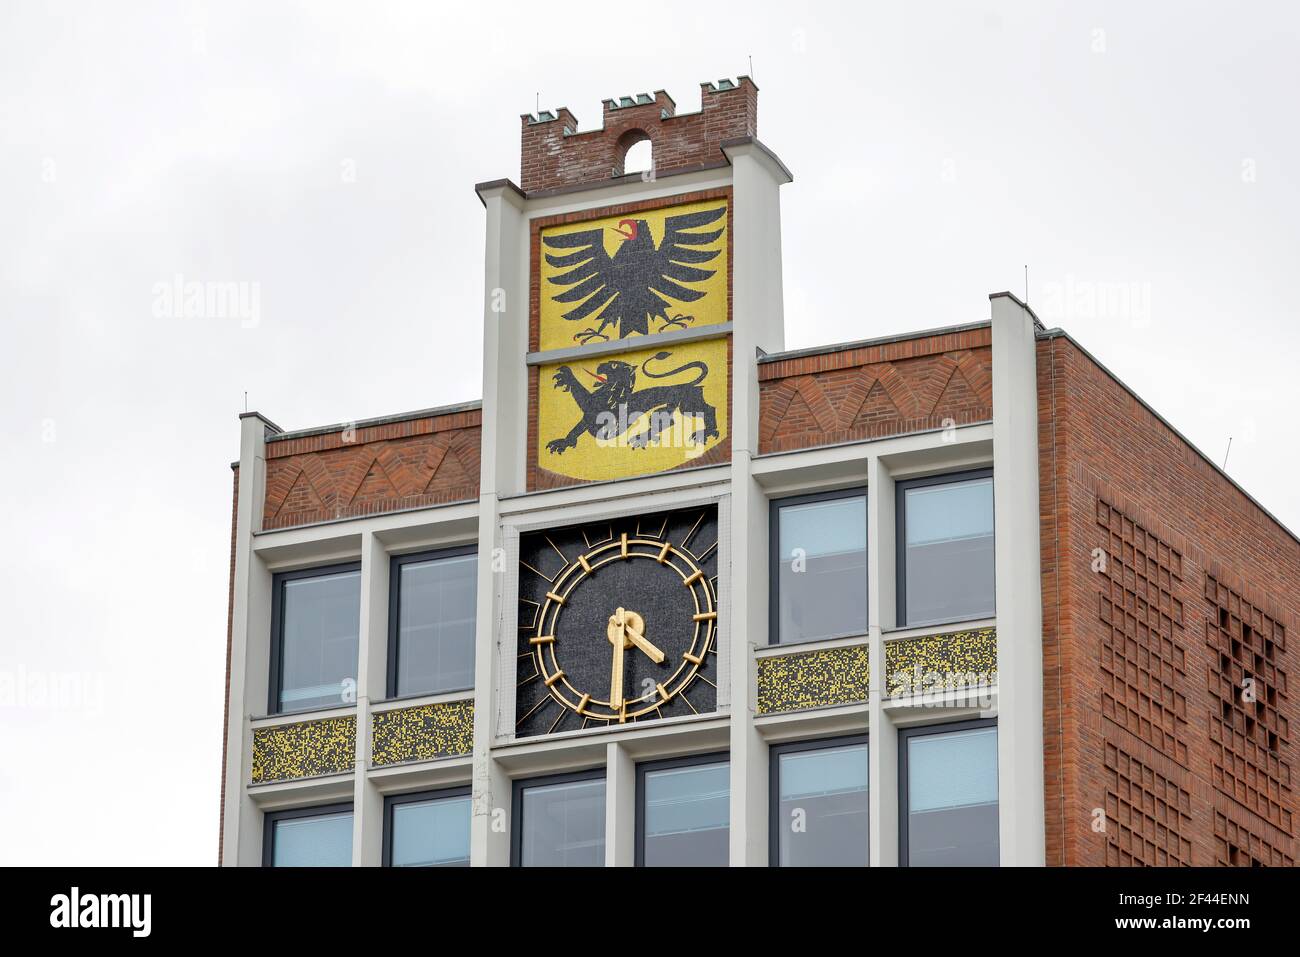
<point>1038,323</point>
<point>671,338</point>
<point>625,178</point>
<point>493,184</point>
<point>1058,333</point>
<point>867,343</point>
<point>722,163</point>
<point>379,420</point>
<point>265,421</point>
<point>762,148</point>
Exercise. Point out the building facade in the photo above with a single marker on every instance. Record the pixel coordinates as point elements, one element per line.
<point>672,594</point>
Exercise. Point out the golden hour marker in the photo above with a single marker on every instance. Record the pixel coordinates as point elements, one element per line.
<point>695,576</point>
<point>663,552</point>
<point>663,692</point>
<point>623,544</point>
<point>550,681</point>
<point>549,578</point>
<point>622,712</point>
<point>555,598</point>
<point>545,701</point>
<point>692,658</point>
<point>659,534</point>
<point>542,640</point>
<point>582,705</point>
<point>582,560</point>
<point>691,534</point>
<point>705,616</point>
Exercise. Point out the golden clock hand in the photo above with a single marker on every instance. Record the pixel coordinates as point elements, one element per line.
<point>616,678</point>
<point>640,641</point>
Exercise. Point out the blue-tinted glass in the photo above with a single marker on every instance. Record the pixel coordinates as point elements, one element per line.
<point>435,625</point>
<point>952,795</point>
<point>321,841</point>
<point>433,833</point>
<point>823,807</point>
<point>822,573</point>
<point>949,551</point>
<point>321,618</point>
<point>563,825</point>
<point>687,816</point>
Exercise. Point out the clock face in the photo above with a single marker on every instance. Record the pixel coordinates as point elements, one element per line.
<point>617,622</point>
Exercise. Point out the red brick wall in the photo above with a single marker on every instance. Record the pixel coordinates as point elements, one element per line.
<point>1143,662</point>
<point>408,464</point>
<point>874,391</point>
<point>550,159</point>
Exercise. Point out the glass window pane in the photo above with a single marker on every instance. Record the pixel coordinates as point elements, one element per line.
<point>823,807</point>
<point>949,551</point>
<point>687,816</point>
<point>321,841</point>
<point>435,625</point>
<point>952,796</point>
<point>318,659</point>
<point>563,825</point>
<point>822,573</point>
<point>433,833</point>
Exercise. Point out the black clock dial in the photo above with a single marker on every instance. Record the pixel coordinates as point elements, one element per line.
<point>618,621</point>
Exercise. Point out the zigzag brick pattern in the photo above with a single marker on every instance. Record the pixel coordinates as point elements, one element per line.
<point>408,464</point>
<point>851,394</point>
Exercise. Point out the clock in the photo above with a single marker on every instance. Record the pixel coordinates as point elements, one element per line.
<point>617,622</point>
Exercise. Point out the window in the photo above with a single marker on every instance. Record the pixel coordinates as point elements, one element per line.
<point>308,837</point>
<point>560,821</point>
<point>948,783</point>
<point>432,600</point>
<point>315,621</point>
<point>945,548</point>
<point>819,566</point>
<point>684,812</point>
<point>818,804</point>
<point>428,829</point>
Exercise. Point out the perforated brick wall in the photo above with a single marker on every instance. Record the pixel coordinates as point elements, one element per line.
<point>1164,589</point>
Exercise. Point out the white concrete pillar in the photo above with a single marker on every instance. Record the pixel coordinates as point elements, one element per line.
<point>758,311</point>
<point>504,437</point>
<point>241,830</point>
<point>372,682</point>
<point>1019,585</point>
<point>620,806</point>
<point>882,747</point>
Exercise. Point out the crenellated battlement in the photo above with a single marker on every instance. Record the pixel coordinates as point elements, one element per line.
<point>555,154</point>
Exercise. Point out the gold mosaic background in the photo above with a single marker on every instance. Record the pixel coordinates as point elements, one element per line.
<point>304,750</point>
<point>423,733</point>
<point>816,679</point>
<point>958,659</point>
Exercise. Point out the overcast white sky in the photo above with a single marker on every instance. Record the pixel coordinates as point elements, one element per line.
<point>1142,159</point>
